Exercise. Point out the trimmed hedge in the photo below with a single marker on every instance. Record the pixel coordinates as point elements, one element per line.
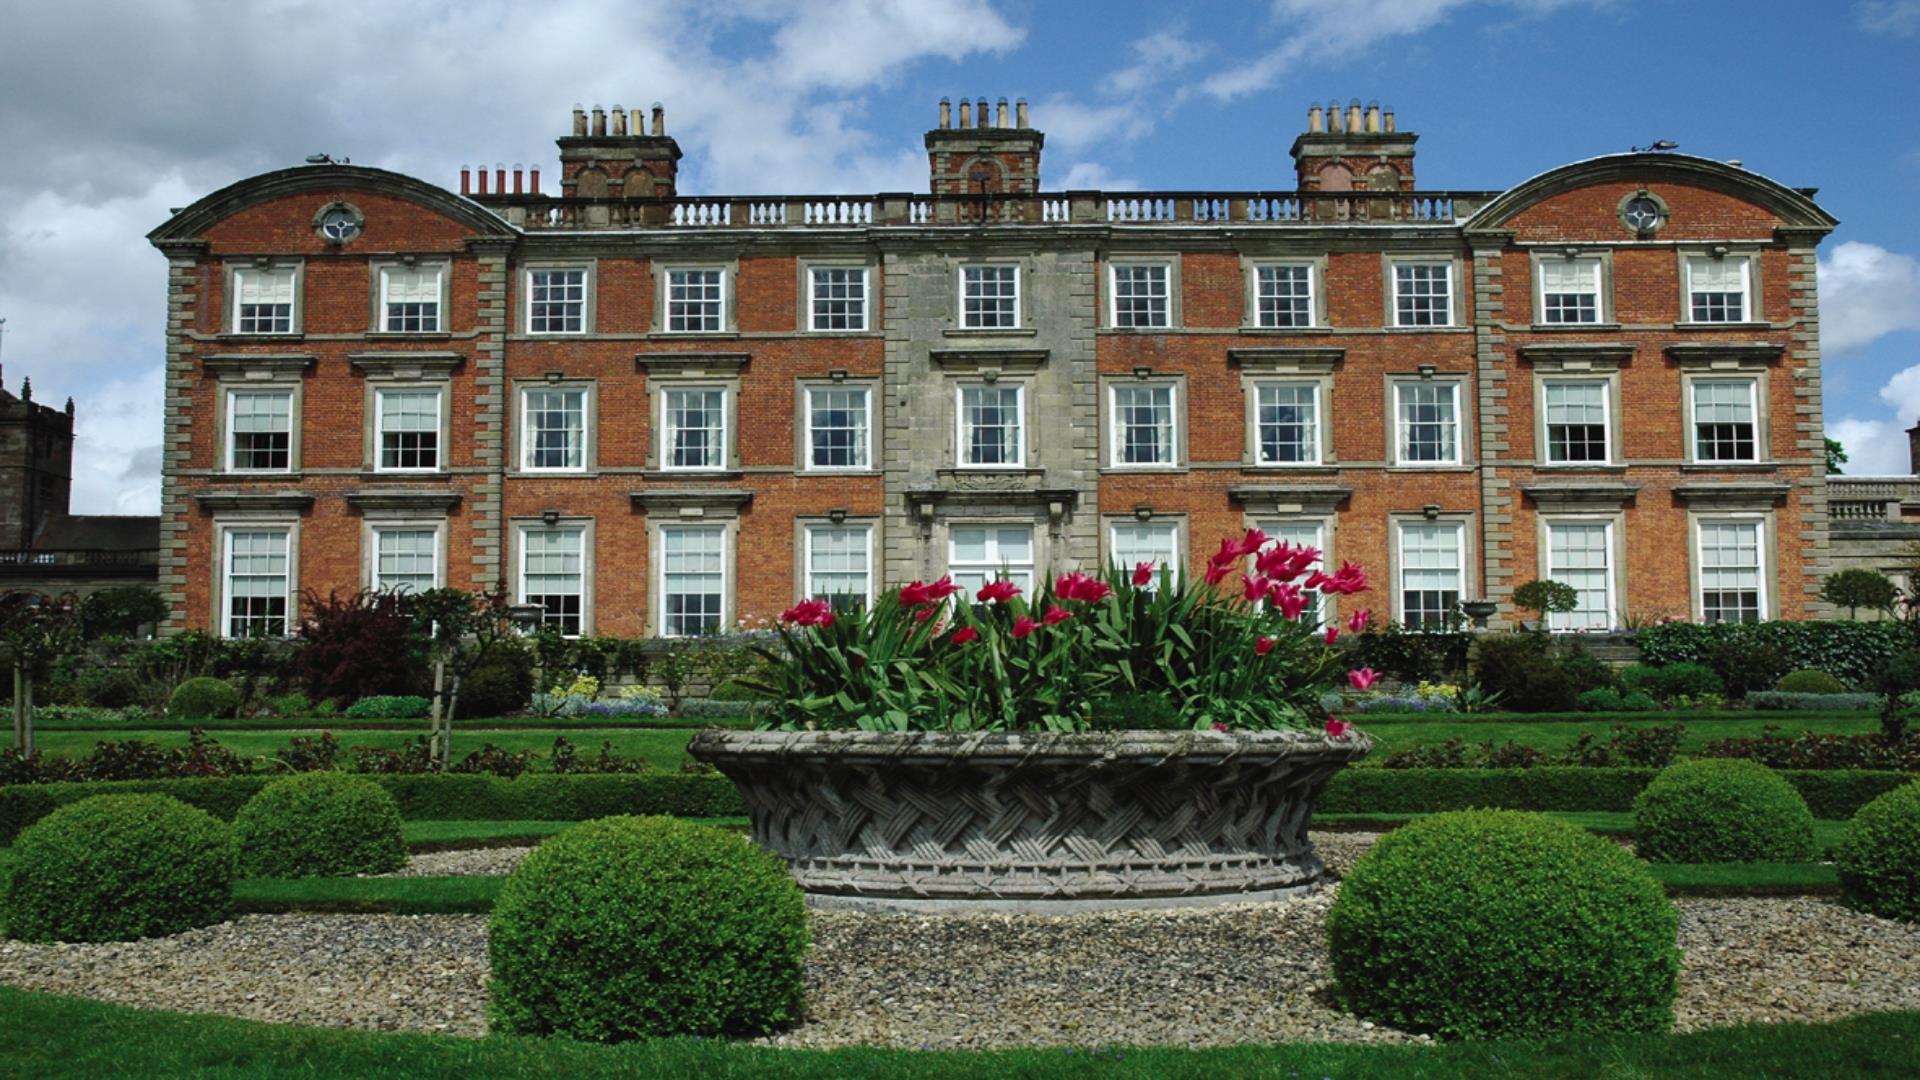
<point>644,927</point>
<point>432,797</point>
<point>118,868</point>
<point>1830,793</point>
<point>1497,923</point>
<point>1879,856</point>
<point>1715,811</point>
<point>203,698</point>
<point>1843,648</point>
<point>1775,700</point>
<point>319,824</point>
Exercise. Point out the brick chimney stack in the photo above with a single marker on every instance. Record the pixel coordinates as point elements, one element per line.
<point>616,156</point>
<point>1358,149</point>
<point>1913,448</point>
<point>986,150</point>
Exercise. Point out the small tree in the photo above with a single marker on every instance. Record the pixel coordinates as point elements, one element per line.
<point>1855,589</point>
<point>34,629</point>
<point>1546,597</point>
<point>121,611</point>
<point>458,627</point>
<point>1836,456</point>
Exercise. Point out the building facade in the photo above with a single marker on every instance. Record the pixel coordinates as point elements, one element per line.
<point>654,413</point>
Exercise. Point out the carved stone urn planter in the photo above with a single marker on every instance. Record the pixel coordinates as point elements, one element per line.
<point>1034,820</point>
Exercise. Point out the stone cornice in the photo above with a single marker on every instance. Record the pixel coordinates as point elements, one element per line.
<point>691,363</point>
<point>1285,359</point>
<point>257,365</point>
<point>1581,495</point>
<point>692,502</point>
<point>438,499</point>
<point>248,501</point>
<point>1577,355</point>
<point>1724,355</point>
<point>406,365</point>
<point>1744,495</point>
<point>1290,498</point>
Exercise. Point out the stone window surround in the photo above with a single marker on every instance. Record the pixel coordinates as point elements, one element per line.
<point>807,264</point>
<point>1463,420</point>
<point>1029,449</point>
<point>729,274</point>
<point>803,524</point>
<point>729,526</point>
<point>1604,314</point>
<point>519,524</point>
<point>1109,418</point>
<point>244,520</point>
<point>1170,260</point>
<point>803,422</point>
<point>1610,378</point>
<point>230,295</point>
<point>1285,365</point>
<point>371,429</point>
<point>517,431</point>
<point>589,287</point>
<point>1750,251</point>
<point>377,286</point>
<point>1762,440</point>
<point>1768,562</point>
<point>1457,300</point>
<point>374,521</point>
<point>690,370</point>
<point>1469,560</point>
<point>290,384</point>
<point>1316,285</point>
<point>1022,319</point>
<point>1182,538</point>
<point>1616,523</point>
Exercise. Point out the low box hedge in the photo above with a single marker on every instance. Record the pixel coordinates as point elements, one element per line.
<point>1830,793</point>
<point>424,798</point>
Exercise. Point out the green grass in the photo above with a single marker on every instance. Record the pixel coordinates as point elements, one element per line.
<point>665,748</point>
<point>1745,879</point>
<point>341,723</point>
<point>1786,717</point>
<point>399,895</point>
<point>1554,736</point>
<point>55,1038</point>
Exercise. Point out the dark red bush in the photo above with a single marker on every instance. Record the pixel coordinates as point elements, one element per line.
<point>359,645</point>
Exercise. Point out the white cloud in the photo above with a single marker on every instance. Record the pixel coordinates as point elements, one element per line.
<point>1874,447</point>
<point>1093,176</point>
<point>1322,30</point>
<point>111,121</point>
<point>1901,17</point>
<point>1157,57</point>
<point>1866,293</point>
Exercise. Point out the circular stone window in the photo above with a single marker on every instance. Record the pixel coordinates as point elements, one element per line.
<point>1643,212</point>
<point>338,223</point>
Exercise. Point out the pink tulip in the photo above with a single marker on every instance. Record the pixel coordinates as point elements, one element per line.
<point>1142,574</point>
<point>914,594</point>
<point>1252,542</point>
<point>964,635</point>
<point>1337,728</point>
<point>1263,646</point>
<point>1023,626</point>
<point>1333,634</point>
<point>1217,572</point>
<point>943,588</point>
<point>1363,679</point>
<point>1254,589</point>
<point>1291,601</point>
<point>999,589</point>
<point>809,613</point>
<point>1357,622</point>
<point>1220,726</point>
<point>1056,615</point>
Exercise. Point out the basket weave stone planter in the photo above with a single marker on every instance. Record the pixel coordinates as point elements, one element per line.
<point>1026,821</point>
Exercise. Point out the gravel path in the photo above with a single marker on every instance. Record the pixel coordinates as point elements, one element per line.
<point>482,862</point>
<point>1242,973</point>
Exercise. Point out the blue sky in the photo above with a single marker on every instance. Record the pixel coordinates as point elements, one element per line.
<point>111,117</point>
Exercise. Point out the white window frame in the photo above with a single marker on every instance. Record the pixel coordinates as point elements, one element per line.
<point>866,298</point>
<point>1610,532</point>
<point>807,530</point>
<point>991,567</point>
<point>1113,294</point>
<point>1606,422</point>
<point>1019,295</point>
<point>866,450</point>
<point>726,574</point>
<point>668,429</point>
<point>439,272</point>
<point>1597,265</point>
<point>1400,426</point>
<point>1400,527</point>
<point>1116,431</point>
<point>290,532</point>
<point>724,284</point>
<point>1321,608</point>
<point>527,432</point>
<point>292,394</point>
<point>586,299</point>
<point>1260,386</point>
<point>962,429</point>
<point>1393,292</point>
<point>1747,312</point>
<point>438,548</point>
<point>1762,572</point>
<point>1753,407</point>
<point>380,435</point>
<point>237,280</point>
<point>585,533</point>
<point>1175,555</point>
<point>1313,294</point>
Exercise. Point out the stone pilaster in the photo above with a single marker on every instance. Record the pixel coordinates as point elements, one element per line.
<point>1490,392</point>
<point>1809,424</point>
<point>490,413</point>
<point>176,433</point>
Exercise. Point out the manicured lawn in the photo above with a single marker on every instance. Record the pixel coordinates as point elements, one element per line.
<point>664,748</point>
<point>54,1038</point>
<point>340,723</point>
<point>1745,879</point>
<point>1794,718</point>
<point>400,896</point>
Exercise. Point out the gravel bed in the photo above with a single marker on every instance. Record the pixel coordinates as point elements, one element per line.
<point>1238,973</point>
<point>465,862</point>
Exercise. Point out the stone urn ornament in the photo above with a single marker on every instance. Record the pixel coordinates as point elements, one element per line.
<point>934,755</point>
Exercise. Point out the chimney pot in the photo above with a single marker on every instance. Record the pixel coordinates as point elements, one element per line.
<point>482,173</point>
<point>946,114</point>
<point>659,119</point>
<point>1334,116</point>
<point>1353,116</point>
<point>1373,117</point>
<point>1020,114</point>
<point>466,180</point>
<point>533,180</point>
<point>966,113</point>
<point>1000,113</point>
<point>517,176</point>
<point>1387,120</point>
<point>599,121</point>
<point>1913,448</point>
<point>579,120</point>
<point>1314,122</point>
<point>499,178</point>
<point>619,120</point>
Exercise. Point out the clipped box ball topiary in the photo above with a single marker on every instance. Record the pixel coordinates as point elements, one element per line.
<point>117,868</point>
<point>641,927</point>
<point>1810,681</point>
<point>1721,810</point>
<point>1879,855</point>
<point>203,699</point>
<point>319,824</point>
<point>1498,922</point>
